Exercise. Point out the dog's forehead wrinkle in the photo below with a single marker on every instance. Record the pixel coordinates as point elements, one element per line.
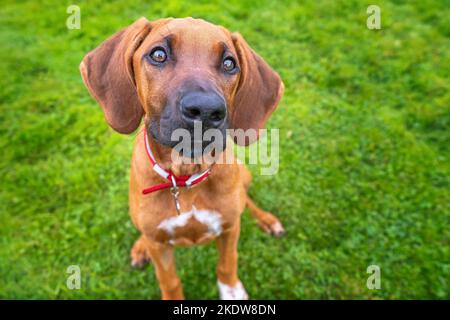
<point>197,29</point>
<point>189,21</point>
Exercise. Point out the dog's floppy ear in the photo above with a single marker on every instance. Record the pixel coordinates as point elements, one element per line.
<point>107,72</point>
<point>258,93</point>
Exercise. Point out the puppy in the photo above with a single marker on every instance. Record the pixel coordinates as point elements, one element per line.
<point>176,74</point>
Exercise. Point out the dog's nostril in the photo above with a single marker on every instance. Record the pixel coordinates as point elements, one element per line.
<point>217,116</point>
<point>193,112</point>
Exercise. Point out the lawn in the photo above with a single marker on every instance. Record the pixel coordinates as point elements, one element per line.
<point>364,154</point>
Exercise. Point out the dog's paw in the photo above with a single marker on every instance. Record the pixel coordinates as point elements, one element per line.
<point>236,292</point>
<point>271,225</point>
<point>139,254</point>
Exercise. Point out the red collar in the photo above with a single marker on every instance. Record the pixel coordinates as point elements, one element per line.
<point>174,181</point>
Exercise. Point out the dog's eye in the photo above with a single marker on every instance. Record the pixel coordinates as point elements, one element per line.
<point>229,64</point>
<point>158,55</point>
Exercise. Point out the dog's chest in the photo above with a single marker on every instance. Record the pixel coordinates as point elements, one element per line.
<point>195,226</point>
<point>204,216</point>
<point>210,219</point>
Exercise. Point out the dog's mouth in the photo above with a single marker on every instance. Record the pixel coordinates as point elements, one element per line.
<point>189,143</point>
<point>154,128</point>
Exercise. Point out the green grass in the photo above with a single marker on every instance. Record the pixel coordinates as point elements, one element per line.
<point>364,164</point>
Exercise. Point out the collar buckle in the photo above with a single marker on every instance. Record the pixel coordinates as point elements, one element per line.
<point>175,191</point>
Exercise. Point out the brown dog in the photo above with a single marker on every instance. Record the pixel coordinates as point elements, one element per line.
<point>172,73</point>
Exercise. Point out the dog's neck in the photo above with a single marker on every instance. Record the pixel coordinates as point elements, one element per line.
<point>168,160</point>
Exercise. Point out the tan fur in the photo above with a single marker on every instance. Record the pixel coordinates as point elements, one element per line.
<point>127,88</point>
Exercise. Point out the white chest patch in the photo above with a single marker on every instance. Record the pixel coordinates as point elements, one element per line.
<point>211,219</point>
<point>232,293</point>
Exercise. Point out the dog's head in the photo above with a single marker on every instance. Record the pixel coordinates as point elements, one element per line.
<point>177,72</point>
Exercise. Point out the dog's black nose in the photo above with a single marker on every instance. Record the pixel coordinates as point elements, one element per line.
<point>209,108</point>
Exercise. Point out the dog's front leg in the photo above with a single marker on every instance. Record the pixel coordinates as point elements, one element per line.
<point>230,287</point>
<point>163,259</point>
